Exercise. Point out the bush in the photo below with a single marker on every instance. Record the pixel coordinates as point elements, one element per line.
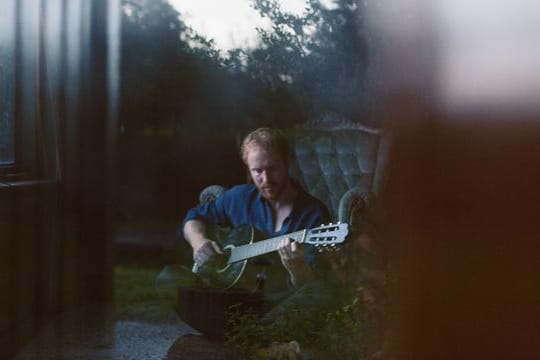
<point>352,331</point>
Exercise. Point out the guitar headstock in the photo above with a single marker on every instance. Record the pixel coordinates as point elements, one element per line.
<point>327,235</point>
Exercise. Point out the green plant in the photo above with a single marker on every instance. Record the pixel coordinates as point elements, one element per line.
<point>355,330</point>
<point>352,331</point>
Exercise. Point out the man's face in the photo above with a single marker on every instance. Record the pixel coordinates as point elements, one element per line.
<point>268,170</point>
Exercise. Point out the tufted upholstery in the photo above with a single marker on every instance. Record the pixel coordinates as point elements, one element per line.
<point>332,158</point>
<point>342,164</point>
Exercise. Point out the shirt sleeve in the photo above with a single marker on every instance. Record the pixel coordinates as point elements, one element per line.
<point>212,212</point>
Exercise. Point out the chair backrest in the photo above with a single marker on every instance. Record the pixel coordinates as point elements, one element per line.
<point>332,155</point>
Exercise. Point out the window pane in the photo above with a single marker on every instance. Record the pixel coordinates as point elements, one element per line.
<point>6,81</point>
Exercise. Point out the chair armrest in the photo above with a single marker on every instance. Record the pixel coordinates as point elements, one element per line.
<point>211,192</point>
<point>359,259</point>
<point>352,204</point>
<point>208,194</point>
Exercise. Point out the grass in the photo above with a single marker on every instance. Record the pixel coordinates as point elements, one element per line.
<point>134,293</point>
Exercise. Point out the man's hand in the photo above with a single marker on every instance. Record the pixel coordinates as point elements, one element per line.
<point>293,258</point>
<point>205,250</point>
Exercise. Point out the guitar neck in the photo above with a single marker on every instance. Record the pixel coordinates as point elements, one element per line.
<point>248,251</point>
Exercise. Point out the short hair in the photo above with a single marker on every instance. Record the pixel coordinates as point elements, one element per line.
<point>268,139</point>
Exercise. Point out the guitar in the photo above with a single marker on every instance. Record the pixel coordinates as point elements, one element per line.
<point>239,247</point>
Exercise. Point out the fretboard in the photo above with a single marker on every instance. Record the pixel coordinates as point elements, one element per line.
<point>245,252</point>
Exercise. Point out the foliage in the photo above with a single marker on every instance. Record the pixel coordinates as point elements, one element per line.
<point>351,326</point>
<point>161,62</point>
<point>319,58</point>
<point>353,331</point>
<point>305,65</point>
<point>173,89</point>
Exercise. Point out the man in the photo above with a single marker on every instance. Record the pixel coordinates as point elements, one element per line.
<point>274,205</point>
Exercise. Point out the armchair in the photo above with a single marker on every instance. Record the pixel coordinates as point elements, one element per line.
<point>342,164</point>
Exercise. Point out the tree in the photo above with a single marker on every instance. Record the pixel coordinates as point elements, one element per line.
<point>174,89</point>
<point>318,58</point>
<point>162,61</point>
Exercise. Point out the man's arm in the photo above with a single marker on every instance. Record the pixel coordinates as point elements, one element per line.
<point>203,248</point>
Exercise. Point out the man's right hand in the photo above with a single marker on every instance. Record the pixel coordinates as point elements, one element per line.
<point>205,251</point>
<point>203,248</point>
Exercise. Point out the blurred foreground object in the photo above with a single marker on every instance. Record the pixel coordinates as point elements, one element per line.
<point>462,96</point>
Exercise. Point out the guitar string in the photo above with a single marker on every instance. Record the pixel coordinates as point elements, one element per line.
<point>247,251</point>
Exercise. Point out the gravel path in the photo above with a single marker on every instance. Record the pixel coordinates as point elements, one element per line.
<point>119,340</point>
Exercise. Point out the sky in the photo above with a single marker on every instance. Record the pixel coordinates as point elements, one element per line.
<point>231,23</point>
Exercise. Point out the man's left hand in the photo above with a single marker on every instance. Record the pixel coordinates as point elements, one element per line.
<point>293,258</point>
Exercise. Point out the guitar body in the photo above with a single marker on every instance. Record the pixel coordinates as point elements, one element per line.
<point>244,274</point>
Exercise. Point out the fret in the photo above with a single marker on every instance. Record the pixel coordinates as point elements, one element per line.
<point>247,251</point>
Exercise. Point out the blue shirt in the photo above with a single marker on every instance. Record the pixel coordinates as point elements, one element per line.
<point>243,204</point>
